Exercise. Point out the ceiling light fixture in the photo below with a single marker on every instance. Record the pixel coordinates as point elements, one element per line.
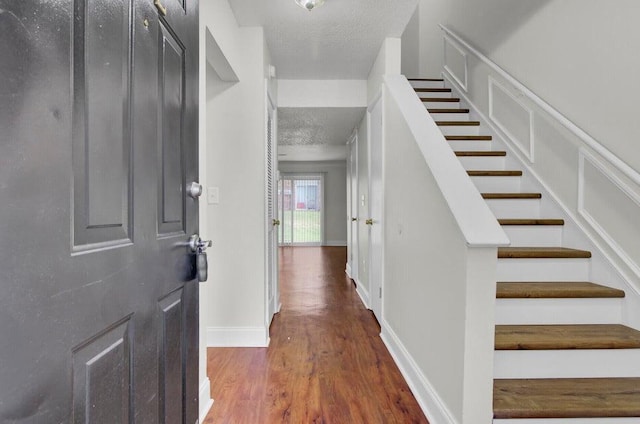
<point>309,4</point>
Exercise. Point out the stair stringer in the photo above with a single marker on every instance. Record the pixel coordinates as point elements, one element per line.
<point>603,267</point>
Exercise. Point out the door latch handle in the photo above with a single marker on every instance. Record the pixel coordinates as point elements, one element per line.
<point>354,219</point>
<point>276,222</point>
<point>160,7</point>
<point>369,221</point>
<point>197,245</point>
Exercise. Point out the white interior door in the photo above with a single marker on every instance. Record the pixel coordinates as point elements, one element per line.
<point>376,199</point>
<point>273,297</point>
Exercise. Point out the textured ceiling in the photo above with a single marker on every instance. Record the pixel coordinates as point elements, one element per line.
<point>339,40</point>
<point>317,133</point>
<point>317,126</point>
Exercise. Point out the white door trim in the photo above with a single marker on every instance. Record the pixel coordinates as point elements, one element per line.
<point>376,212</point>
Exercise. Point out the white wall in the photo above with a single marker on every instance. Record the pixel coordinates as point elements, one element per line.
<point>411,46</point>
<point>233,300</point>
<point>322,93</point>
<point>575,54</point>
<point>387,62</point>
<point>335,206</point>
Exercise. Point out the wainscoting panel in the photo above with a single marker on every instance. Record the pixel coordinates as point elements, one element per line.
<point>455,62</point>
<point>611,207</point>
<point>512,116</point>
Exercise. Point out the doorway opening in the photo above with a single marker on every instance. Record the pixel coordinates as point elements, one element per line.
<point>301,210</point>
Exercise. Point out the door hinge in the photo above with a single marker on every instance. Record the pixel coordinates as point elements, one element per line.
<point>380,292</point>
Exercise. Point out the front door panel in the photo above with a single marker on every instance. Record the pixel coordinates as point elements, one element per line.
<point>98,118</point>
<point>171,111</point>
<point>101,129</point>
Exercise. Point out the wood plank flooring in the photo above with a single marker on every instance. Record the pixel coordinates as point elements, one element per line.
<point>326,362</point>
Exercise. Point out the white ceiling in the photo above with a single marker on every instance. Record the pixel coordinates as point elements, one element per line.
<point>313,134</point>
<point>339,40</point>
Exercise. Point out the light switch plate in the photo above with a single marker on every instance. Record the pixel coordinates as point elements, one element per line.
<point>213,195</point>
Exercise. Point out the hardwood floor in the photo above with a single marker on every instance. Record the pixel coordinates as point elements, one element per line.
<point>326,362</point>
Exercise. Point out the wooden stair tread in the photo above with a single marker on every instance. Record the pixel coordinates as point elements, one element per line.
<point>468,137</point>
<point>458,123</point>
<point>426,79</point>
<point>556,337</point>
<point>440,99</point>
<point>511,195</point>
<point>448,110</point>
<point>480,153</point>
<point>555,290</point>
<point>541,252</point>
<point>488,173</point>
<point>432,90</point>
<point>566,398</point>
<point>536,221</point>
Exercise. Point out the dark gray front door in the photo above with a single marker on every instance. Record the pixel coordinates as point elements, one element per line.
<point>98,139</point>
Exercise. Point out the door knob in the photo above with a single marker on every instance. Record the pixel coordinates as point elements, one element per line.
<point>369,221</point>
<point>194,190</point>
<point>354,219</point>
<point>276,222</point>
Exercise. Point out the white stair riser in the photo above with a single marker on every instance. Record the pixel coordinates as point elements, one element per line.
<point>558,311</point>
<point>543,269</point>
<point>493,163</point>
<point>459,130</point>
<point>470,145</point>
<point>497,184</point>
<point>515,208</point>
<point>569,421</point>
<point>534,235</point>
<point>449,116</point>
<point>569,363</point>
<point>441,94</point>
<point>427,84</point>
<point>441,105</point>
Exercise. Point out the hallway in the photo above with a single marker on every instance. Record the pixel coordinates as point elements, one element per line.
<point>326,362</point>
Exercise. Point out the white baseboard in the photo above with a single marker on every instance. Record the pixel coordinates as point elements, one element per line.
<point>205,399</point>
<point>348,270</point>
<point>237,337</point>
<point>340,243</point>
<point>427,397</point>
<point>363,293</point>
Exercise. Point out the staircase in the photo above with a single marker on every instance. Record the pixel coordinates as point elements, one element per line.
<point>561,354</point>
